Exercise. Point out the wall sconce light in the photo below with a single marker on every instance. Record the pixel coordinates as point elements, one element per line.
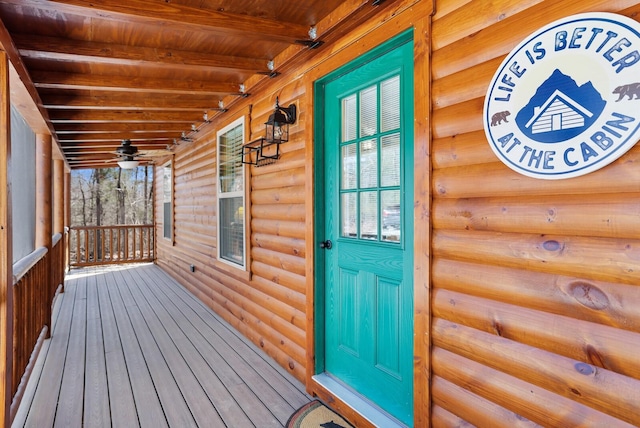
<point>278,123</point>
<point>258,151</point>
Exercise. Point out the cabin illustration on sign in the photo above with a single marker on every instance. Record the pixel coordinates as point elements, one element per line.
<point>559,112</point>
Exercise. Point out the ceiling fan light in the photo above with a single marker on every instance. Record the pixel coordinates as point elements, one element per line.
<point>128,164</point>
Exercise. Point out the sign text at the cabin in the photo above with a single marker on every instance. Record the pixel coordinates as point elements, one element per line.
<point>566,101</point>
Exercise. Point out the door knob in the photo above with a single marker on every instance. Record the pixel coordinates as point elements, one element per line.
<point>326,244</point>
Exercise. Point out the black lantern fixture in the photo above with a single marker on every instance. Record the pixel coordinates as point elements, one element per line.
<point>266,150</point>
<point>278,124</point>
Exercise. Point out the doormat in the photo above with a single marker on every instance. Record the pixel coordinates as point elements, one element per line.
<point>316,415</point>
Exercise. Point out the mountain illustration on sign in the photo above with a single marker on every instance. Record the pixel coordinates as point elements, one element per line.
<point>560,109</point>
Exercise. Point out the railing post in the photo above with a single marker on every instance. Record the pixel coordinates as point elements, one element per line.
<point>67,220</point>
<point>6,250</point>
<point>57,263</point>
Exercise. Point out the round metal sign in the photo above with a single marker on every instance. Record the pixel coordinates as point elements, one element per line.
<point>566,101</point>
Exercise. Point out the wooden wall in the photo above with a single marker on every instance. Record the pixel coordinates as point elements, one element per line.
<point>267,302</point>
<point>270,303</point>
<point>533,286</point>
<point>536,283</point>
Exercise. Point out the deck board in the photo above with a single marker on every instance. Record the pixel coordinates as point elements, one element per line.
<point>272,400</point>
<point>131,347</point>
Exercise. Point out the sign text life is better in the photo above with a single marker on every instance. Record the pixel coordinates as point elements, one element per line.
<point>565,101</point>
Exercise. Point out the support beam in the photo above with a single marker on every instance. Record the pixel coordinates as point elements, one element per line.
<point>55,80</point>
<point>93,116</point>
<point>44,223</point>
<point>6,249</point>
<point>59,49</point>
<point>58,196</point>
<point>67,216</point>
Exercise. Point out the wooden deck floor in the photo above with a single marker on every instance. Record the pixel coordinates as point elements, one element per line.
<point>130,347</point>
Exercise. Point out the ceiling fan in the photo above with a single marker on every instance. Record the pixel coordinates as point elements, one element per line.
<point>129,155</point>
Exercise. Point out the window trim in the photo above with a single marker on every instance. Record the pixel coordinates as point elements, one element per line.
<point>169,164</point>
<point>244,193</point>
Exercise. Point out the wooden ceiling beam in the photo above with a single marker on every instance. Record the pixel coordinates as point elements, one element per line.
<point>90,104</point>
<point>124,101</point>
<point>52,48</point>
<point>119,136</point>
<point>87,128</point>
<point>176,17</point>
<point>110,147</point>
<point>54,80</point>
<point>113,142</point>
<point>92,164</point>
<point>96,116</point>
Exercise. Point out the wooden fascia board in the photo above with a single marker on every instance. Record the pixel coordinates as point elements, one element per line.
<point>59,49</point>
<point>177,17</point>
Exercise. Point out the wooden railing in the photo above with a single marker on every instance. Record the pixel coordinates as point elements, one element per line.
<point>98,245</point>
<point>37,278</point>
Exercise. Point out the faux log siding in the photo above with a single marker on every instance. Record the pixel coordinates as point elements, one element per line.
<point>267,303</point>
<point>536,284</point>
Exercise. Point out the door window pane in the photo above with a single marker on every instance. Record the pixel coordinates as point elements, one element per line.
<point>349,214</point>
<point>349,167</point>
<point>349,118</point>
<point>368,164</point>
<point>390,104</point>
<point>390,158</point>
<point>369,215</point>
<point>369,111</point>
<point>391,210</point>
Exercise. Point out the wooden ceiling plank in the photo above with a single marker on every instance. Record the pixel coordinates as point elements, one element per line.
<point>178,17</point>
<point>52,48</point>
<point>56,80</point>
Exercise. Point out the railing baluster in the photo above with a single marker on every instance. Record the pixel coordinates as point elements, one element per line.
<point>133,246</point>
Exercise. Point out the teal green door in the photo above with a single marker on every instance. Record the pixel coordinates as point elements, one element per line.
<point>368,131</point>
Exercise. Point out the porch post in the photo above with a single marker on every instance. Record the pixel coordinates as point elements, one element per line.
<point>6,248</point>
<point>44,224</point>
<point>58,224</point>
<point>58,196</point>
<point>67,217</point>
<point>44,220</point>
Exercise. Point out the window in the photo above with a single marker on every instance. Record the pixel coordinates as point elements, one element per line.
<point>167,200</point>
<point>231,214</point>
